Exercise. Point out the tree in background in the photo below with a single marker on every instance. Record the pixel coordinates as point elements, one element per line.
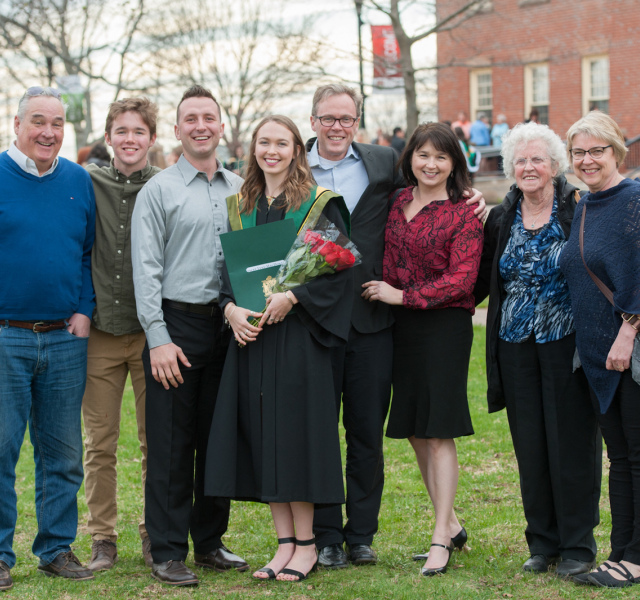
<point>449,20</point>
<point>245,52</point>
<point>93,39</point>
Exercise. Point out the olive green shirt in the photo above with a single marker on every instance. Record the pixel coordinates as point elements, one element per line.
<point>111,268</point>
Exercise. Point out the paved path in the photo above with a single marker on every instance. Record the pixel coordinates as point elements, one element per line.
<point>480,318</point>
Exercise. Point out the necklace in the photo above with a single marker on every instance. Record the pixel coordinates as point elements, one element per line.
<point>539,213</point>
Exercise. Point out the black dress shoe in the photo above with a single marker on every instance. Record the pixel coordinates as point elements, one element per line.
<point>6,583</point>
<point>571,567</point>
<point>174,572</point>
<point>333,557</point>
<point>220,560</point>
<point>362,554</point>
<point>538,563</point>
<point>66,565</point>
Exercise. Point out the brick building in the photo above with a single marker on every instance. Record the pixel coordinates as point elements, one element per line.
<point>557,56</point>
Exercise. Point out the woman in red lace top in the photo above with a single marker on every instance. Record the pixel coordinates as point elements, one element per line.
<point>433,245</point>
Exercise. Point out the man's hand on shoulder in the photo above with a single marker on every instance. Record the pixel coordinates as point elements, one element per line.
<point>481,210</point>
<point>164,364</point>
<point>79,325</point>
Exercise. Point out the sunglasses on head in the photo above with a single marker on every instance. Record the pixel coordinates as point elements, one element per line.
<point>37,90</point>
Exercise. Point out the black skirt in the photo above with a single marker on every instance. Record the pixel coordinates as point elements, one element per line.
<point>431,350</point>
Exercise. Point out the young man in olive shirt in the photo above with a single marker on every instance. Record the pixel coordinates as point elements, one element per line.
<point>117,340</point>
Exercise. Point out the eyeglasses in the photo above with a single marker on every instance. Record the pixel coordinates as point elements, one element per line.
<point>535,161</point>
<point>37,90</point>
<point>329,121</point>
<point>595,152</point>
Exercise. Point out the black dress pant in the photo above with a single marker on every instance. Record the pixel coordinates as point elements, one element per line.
<point>557,445</point>
<point>178,424</point>
<point>620,427</point>
<point>362,378</point>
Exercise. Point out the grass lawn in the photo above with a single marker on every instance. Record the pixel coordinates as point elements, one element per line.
<point>488,501</point>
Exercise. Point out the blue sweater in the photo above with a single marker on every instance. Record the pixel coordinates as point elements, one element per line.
<point>47,226</point>
<point>612,251</point>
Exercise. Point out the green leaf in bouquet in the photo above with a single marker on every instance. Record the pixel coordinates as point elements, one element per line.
<point>296,255</point>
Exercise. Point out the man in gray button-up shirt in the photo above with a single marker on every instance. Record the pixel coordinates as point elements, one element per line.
<point>177,263</point>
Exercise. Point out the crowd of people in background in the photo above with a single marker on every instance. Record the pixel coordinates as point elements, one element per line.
<point>129,278</point>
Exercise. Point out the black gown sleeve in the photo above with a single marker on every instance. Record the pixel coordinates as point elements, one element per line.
<point>324,304</point>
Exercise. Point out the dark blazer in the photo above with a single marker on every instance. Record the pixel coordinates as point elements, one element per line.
<point>368,222</point>
<point>497,231</point>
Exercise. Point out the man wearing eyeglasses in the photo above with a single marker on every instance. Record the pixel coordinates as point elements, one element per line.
<point>365,176</point>
<point>47,224</point>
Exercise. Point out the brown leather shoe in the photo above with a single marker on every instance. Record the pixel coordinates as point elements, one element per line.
<point>104,554</point>
<point>174,572</point>
<point>220,560</point>
<point>146,551</point>
<point>66,565</point>
<point>6,583</point>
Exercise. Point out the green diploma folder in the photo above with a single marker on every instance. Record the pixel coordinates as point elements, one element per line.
<point>253,256</point>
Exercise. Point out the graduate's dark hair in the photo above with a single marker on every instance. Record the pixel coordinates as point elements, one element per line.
<point>443,140</point>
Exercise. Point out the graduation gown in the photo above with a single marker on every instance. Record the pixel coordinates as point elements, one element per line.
<point>274,435</point>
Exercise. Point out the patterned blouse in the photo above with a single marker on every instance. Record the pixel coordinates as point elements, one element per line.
<point>537,293</point>
<point>434,258</point>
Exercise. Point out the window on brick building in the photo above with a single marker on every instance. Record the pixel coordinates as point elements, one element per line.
<point>536,91</point>
<point>481,84</point>
<point>595,83</point>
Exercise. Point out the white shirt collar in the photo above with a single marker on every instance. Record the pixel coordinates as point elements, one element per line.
<point>27,164</point>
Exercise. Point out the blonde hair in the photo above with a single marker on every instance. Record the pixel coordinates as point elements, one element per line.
<point>601,126</point>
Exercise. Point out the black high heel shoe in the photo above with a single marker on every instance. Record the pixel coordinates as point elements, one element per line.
<point>457,541</point>
<point>268,570</point>
<point>298,574</point>
<point>460,540</point>
<point>438,570</point>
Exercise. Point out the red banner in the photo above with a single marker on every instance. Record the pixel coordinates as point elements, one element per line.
<point>387,71</point>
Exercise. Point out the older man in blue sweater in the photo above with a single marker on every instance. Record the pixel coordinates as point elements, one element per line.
<point>47,224</point>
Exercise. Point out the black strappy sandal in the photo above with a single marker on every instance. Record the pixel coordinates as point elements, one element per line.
<point>606,580</point>
<point>438,570</point>
<point>268,570</point>
<point>298,574</point>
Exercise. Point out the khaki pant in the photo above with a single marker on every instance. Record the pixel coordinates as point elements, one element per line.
<point>110,359</point>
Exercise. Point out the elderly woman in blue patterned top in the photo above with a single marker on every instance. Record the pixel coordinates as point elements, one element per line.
<point>530,348</point>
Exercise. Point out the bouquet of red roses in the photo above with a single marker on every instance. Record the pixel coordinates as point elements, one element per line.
<point>322,250</point>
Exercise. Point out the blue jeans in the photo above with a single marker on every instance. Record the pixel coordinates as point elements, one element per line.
<point>42,379</point>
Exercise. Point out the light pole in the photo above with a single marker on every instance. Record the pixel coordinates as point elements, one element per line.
<point>358,4</point>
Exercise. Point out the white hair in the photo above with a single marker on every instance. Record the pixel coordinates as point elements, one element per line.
<point>523,134</point>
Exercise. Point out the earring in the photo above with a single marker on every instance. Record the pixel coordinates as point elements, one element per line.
<point>451,174</point>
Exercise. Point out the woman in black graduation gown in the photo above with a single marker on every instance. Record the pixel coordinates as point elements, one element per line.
<point>274,436</point>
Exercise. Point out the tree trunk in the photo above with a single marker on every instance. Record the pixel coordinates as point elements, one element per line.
<point>408,74</point>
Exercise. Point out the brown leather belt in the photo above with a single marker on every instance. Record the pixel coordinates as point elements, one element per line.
<point>38,326</point>
<point>197,309</point>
